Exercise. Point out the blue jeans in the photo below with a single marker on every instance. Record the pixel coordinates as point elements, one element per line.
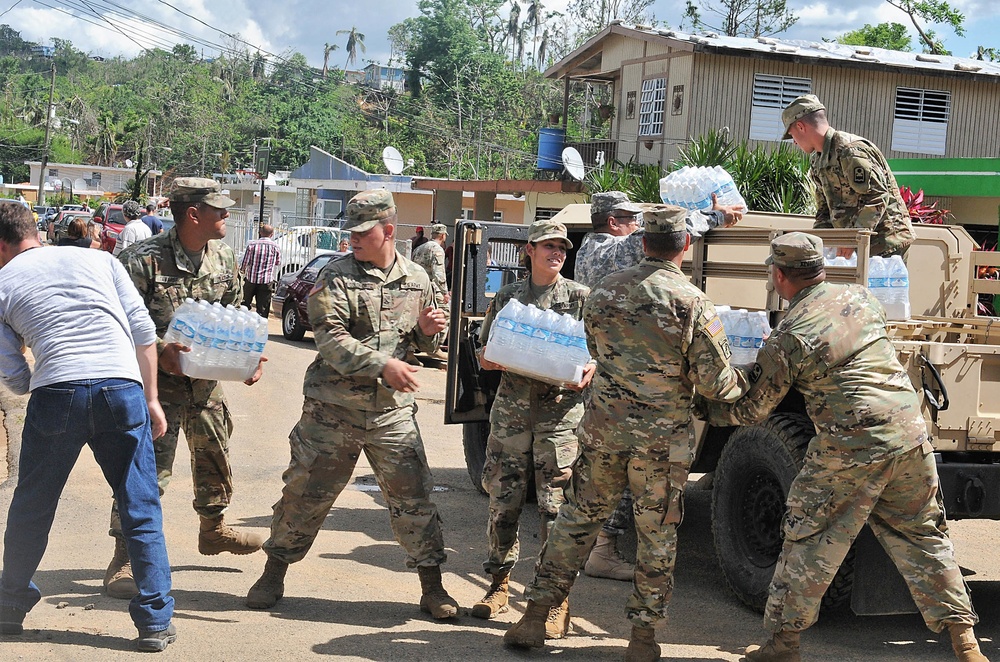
<point>109,415</point>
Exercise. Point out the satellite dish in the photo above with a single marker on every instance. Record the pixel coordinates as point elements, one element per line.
<point>393,160</point>
<point>573,163</point>
<point>79,184</point>
<point>128,163</point>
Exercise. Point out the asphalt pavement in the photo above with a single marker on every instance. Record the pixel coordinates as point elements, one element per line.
<point>352,598</point>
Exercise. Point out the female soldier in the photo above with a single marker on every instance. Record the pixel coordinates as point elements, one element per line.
<point>532,424</point>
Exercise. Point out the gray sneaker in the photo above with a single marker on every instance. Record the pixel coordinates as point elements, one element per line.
<point>154,642</point>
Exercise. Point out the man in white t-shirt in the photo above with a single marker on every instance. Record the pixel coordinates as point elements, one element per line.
<point>135,230</point>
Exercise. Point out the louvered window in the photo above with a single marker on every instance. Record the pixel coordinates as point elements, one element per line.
<point>920,122</point>
<point>654,93</point>
<point>771,94</point>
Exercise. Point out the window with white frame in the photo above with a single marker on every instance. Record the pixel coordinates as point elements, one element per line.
<point>920,120</point>
<point>771,95</point>
<point>651,103</point>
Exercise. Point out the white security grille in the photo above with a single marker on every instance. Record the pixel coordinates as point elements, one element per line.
<point>920,121</point>
<point>651,103</point>
<point>771,95</point>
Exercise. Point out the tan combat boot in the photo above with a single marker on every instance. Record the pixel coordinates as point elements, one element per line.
<point>434,599</point>
<point>496,599</point>
<point>642,647</point>
<point>266,592</point>
<point>963,640</point>
<point>529,632</point>
<point>118,581</point>
<point>781,647</point>
<point>215,537</point>
<point>605,562</point>
<point>557,621</point>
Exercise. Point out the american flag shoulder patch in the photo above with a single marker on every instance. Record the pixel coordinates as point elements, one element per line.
<point>714,327</point>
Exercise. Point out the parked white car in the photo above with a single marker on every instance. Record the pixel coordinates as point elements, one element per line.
<point>299,244</point>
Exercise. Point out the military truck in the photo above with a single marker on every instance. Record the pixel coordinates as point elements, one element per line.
<point>951,353</point>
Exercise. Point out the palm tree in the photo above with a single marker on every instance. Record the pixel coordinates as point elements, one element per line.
<point>327,48</point>
<point>354,39</point>
<point>534,18</point>
<point>513,22</point>
<point>543,48</point>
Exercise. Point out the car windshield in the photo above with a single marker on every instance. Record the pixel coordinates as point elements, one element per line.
<point>116,216</point>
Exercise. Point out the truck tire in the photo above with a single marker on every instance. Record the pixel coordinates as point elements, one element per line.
<point>752,480</point>
<point>474,436</point>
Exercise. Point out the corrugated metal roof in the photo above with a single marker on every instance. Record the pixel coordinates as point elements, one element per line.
<point>834,52</point>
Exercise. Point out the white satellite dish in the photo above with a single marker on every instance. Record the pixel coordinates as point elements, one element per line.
<point>79,184</point>
<point>128,163</point>
<point>573,163</point>
<point>393,160</point>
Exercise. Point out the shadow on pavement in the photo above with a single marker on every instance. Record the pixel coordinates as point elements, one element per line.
<point>70,638</point>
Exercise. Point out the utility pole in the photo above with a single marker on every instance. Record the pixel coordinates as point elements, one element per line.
<point>48,128</point>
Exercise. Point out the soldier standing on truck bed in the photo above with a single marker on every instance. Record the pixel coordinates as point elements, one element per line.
<point>656,338</point>
<point>532,425</point>
<point>869,461</point>
<point>615,245</point>
<point>854,186</point>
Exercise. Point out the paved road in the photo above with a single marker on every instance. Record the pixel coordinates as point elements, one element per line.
<point>352,597</point>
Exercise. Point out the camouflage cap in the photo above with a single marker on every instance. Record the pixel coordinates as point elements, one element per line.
<point>548,229</point>
<point>665,219</point>
<point>367,208</point>
<point>796,250</point>
<point>131,210</point>
<point>799,108</point>
<point>439,229</point>
<point>609,201</point>
<point>200,189</point>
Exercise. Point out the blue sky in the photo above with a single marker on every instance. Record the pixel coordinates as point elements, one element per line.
<point>305,25</point>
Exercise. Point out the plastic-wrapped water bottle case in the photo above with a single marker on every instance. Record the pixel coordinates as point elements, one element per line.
<point>226,342</point>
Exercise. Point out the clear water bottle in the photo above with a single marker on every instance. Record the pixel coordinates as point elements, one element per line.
<point>878,277</point>
<point>898,304</point>
<point>743,335</point>
<point>526,324</point>
<point>201,352</point>
<point>579,354</point>
<point>181,328</point>
<point>259,338</point>
<point>760,329</point>
<point>725,191</point>
<point>236,321</point>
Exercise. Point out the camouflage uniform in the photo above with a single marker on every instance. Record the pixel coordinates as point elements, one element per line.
<point>165,276</point>
<point>361,317</point>
<point>430,256</point>
<point>656,339</point>
<point>856,189</point>
<point>532,429</point>
<point>869,461</point>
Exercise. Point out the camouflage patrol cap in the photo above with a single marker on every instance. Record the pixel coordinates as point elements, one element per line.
<point>799,108</point>
<point>665,219</point>
<point>796,250</point>
<point>548,229</point>
<point>439,229</point>
<point>131,210</point>
<point>609,201</point>
<point>367,208</point>
<point>200,189</point>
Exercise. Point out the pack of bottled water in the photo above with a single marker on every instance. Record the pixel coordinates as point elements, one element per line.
<point>226,342</point>
<point>831,259</point>
<point>745,331</point>
<point>889,281</point>
<point>541,344</point>
<point>692,188</point>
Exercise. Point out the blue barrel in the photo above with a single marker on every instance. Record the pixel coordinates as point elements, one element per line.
<point>550,147</point>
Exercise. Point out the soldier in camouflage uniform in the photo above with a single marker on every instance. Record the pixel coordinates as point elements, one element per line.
<point>365,310</point>
<point>854,186</point>
<point>188,261</point>
<point>430,256</point>
<point>532,424</point>
<point>656,339</point>
<point>614,245</point>
<point>869,461</point>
